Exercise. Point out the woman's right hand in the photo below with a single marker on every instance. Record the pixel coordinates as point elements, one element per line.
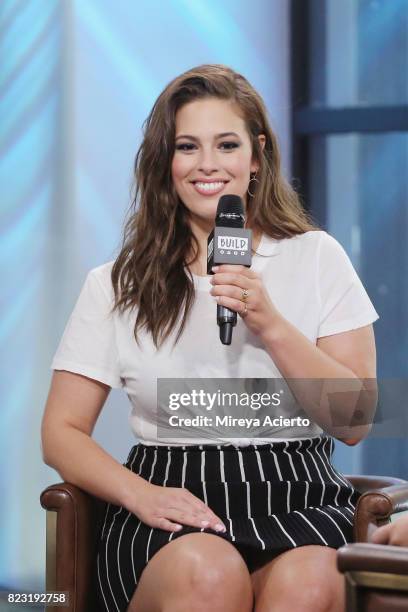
<point>169,507</point>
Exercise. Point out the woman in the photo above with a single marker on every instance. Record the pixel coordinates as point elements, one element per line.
<point>205,523</point>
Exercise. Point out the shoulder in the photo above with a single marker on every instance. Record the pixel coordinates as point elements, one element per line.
<point>318,243</point>
<point>100,279</point>
<point>103,272</point>
<point>315,252</point>
<point>311,240</point>
<point>298,245</point>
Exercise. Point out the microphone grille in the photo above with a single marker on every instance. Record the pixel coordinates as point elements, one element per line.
<point>230,204</point>
<point>230,212</point>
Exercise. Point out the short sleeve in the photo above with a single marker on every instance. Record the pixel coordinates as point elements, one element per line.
<point>88,344</point>
<point>344,302</point>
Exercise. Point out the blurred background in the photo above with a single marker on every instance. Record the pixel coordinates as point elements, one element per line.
<point>77,80</point>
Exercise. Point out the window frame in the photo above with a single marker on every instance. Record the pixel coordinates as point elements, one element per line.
<point>308,121</point>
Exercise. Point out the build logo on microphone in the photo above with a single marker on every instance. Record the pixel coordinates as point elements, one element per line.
<point>232,243</point>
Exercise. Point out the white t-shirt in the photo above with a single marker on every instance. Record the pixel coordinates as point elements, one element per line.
<point>310,280</point>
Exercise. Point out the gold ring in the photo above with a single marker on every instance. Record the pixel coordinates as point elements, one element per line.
<point>245,294</point>
<point>244,314</point>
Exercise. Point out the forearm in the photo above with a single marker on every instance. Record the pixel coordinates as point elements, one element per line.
<point>331,394</point>
<point>81,461</point>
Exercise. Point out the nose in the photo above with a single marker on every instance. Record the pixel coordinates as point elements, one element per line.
<point>207,161</point>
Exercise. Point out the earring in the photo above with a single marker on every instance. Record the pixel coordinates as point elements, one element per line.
<point>255,180</point>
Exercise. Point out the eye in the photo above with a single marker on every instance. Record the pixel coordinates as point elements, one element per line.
<point>184,147</point>
<point>229,145</point>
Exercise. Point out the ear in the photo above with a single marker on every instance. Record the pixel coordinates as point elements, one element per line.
<point>262,141</point>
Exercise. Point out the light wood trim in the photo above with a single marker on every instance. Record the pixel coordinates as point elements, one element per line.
<point>380,580</point>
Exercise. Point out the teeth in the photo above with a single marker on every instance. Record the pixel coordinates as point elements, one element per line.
<point>210,186</point>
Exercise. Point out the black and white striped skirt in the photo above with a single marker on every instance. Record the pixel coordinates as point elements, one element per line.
<point>271,497</point>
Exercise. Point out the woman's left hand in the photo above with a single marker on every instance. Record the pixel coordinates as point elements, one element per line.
<point>229,281</point>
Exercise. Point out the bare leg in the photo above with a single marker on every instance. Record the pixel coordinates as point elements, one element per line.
<point>196,571</point>
<point>304,578</point>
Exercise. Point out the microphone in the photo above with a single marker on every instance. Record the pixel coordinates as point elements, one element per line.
<point>228,243</point>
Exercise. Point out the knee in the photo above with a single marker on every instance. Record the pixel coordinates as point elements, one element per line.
<point>204,573</point>
<point>316,597</point>
<point>211,576</point>
<point>312,595</point>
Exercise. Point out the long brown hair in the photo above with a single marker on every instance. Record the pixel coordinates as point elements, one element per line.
<point>149,272</point>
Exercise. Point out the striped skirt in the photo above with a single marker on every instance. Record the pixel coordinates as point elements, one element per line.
<point>271,497</point>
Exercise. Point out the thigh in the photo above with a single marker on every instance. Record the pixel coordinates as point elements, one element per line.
<point>304,578</point>
<point>193,570</point>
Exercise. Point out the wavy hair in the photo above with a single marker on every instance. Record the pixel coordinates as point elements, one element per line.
<point>149,272</point>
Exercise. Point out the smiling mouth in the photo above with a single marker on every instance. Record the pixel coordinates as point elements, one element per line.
<point>209,188</point>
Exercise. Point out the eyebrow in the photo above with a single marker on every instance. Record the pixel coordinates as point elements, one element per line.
<point>222,135</point>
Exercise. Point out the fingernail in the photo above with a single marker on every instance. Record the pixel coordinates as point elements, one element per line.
<point>178,526</point>
<point>220,527</point>
<point>215,268</point>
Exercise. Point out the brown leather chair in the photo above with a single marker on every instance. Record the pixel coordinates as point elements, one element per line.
<point>74,519</point>
<point>376,575</point>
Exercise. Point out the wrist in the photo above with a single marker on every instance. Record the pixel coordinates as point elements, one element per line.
<point>275,331</point>
<point>131,488</point>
